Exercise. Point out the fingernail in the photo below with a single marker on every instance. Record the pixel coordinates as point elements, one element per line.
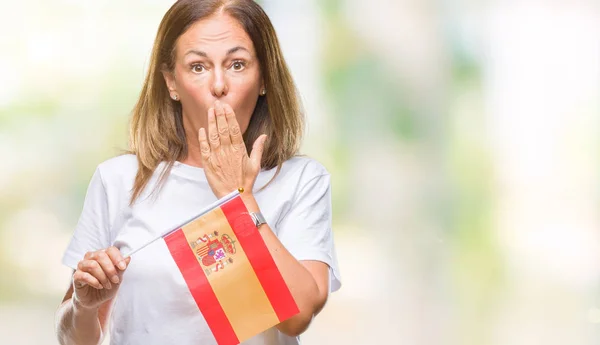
<point>115,279</point>
<point>122,265</point>
<point>108,285</point>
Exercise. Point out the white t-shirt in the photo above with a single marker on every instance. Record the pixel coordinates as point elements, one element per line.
<point>154,305</point>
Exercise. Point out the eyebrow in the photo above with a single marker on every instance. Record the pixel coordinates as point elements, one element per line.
<point>235,49</point>
<point>203,54</point>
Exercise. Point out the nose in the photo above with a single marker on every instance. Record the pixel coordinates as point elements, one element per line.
<point>219,86</point>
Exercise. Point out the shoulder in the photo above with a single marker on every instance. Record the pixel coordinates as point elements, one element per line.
<point>295,173</point>
<point>118,170</point>
<point>119,164</point>
<point>303,168</point>
<point>123,164</point>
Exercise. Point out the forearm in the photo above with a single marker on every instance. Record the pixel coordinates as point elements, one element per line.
<point>301,283</point>
<point>76,325</point>
<point>303,287</point>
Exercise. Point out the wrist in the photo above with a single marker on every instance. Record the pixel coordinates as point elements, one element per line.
<point>249,201</point>
<point>79,308</point>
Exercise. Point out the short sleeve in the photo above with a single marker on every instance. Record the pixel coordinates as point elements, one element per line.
<point>92,230</point>
<point>305,230</point>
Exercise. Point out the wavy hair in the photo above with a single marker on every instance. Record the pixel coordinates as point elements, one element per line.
<point>156,129</point>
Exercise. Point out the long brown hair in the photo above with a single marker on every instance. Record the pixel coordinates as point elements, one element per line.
<point>156,130</point>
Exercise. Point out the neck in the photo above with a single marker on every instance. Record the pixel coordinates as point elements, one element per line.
<point>194,155</point>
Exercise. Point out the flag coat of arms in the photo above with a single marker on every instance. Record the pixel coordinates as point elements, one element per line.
<point>230,273</point>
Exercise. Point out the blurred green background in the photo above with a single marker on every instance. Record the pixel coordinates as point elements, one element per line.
<point>462,138</point>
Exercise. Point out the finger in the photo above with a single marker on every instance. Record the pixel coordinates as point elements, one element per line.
<point>93,267</point>
<point>222,125</point>
<point>115,256</point>
<point>204,146</point>
<point>125,262</point>
<point>257,150</point>
<point>213,135</point>
<point>81,279</point>
<point>234,128</point>
<point>108,266</point>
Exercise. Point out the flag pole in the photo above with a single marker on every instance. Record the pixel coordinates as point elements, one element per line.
<point>207,209</point>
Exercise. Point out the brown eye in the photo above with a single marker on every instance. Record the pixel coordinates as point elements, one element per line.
<point>197,68</point>
<point>238,66</point>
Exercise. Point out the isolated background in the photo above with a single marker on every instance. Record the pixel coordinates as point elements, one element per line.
<point>462,137</point>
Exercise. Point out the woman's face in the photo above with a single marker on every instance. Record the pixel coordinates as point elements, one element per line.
<point>215,60</point>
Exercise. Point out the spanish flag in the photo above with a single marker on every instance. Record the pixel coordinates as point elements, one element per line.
<point>230,272</point>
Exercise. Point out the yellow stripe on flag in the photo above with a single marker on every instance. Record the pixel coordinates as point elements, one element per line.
<point>239,291</point>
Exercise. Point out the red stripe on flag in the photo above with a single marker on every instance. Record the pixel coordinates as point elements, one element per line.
<point>200,288</point>
<point>261,260</point>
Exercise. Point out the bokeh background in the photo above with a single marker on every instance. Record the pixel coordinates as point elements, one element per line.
<point>462,138</point>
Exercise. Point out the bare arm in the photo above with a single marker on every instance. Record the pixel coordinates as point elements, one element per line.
<point>79,325</point>
<point>228,167</point>
<point>82,317</point>
<point>308,280</point>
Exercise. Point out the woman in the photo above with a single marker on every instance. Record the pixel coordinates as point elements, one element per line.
<point>217,89</point>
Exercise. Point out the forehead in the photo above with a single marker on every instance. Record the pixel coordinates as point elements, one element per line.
<point>213,34</point>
